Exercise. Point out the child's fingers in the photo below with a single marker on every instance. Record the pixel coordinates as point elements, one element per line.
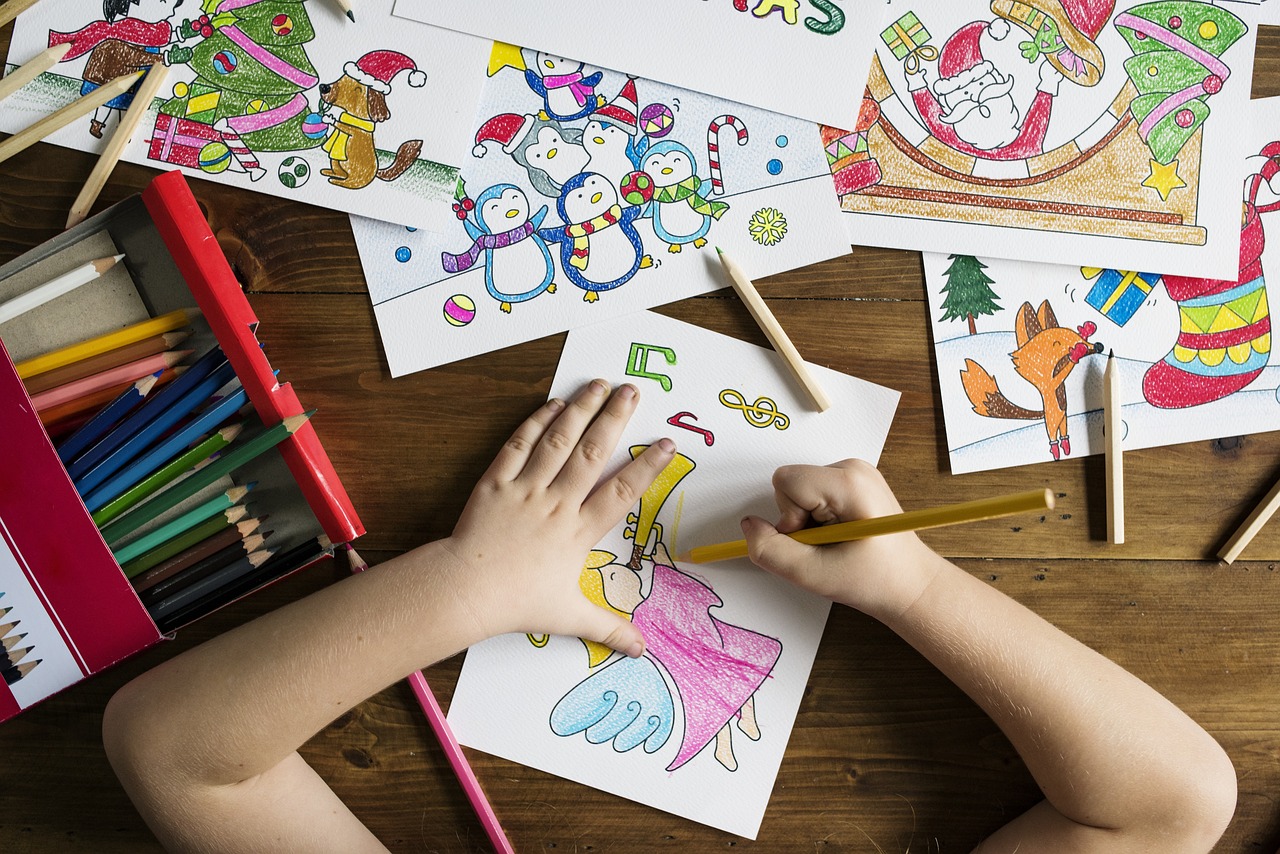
<point>804,492</point>
<point>594,449</point>
<point>591,622</point>
<point>616,495</point>
<point>514,455</point>
<point>563,435</point>
<point>773,551</point>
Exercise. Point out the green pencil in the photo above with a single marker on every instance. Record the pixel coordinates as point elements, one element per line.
<point>184,489</point>
<point>188,538</point>
<point>166,474</point>
<point>173,528</point>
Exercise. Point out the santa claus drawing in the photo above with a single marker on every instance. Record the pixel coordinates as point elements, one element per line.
<point>968,102</point>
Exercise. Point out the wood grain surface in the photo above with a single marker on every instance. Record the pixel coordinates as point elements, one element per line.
<point>886,756</point>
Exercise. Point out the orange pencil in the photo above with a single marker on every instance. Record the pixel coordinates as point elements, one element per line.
<point>111,378</point>
<point>104,361</point>
<point>98,399</point>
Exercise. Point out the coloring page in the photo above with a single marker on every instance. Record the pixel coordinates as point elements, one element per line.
<point>697,726</point>
<point>1056,132</point>
<point>615,208</point>
<point>283,97</point>
<point>744,51</point>
<point>1021,347</point>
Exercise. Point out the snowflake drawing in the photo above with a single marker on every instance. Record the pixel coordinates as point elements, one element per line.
<point>767,226</point>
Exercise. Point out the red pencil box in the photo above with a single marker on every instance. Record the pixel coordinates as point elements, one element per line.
<point>58,578</point>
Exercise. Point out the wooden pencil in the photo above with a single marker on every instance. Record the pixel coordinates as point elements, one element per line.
<point>193,460</point>
<point>107,417</point>
<point>111,378</point>
<point>1252,525</point>
<point>226,540</point>
<point>99,344</point>
<point>12,640</point>
<point>153,585</point>
<point>13,8</point>
<point>11,657</point>
<point>773,330</point>
<point>141,468</point>
<point>13,674</point>
<point>91,403</point>
<point>105,361</point>
<point>224,503</point>
<point>56,287</point>
<point>1113,438</point>
<point>5,628</point>
<point>82,106</point>
<point>189,538</point>
<point>208,585</point>
<point>225,464</point>
<point>345,6</point>
<point>912,520</point>
<point>110,156</point>
<point>32,68</point>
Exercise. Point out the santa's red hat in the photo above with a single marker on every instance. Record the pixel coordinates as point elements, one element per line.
<point>376,68</point>
<point>508,129</point>
<point>621,111</point>
<point>963,50</point>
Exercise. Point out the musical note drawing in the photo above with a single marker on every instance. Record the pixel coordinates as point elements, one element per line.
<point>677,420</point>
<point>638,363</point>
<point>763,413</point>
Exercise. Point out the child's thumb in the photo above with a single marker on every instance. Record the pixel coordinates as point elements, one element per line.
<point>613,631</point>
<point>771,550</point>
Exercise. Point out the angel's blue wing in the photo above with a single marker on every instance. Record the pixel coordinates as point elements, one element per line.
<point>627,703</point>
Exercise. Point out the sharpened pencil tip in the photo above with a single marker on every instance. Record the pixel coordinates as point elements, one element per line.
<point>118,257</point>
<point>351,15</point>
<point>719,251</point>
<point>1111,354</point>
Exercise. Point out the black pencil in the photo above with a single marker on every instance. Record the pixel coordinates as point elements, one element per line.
<point>13,674</point>
<point>151,588</point>
<point>210,584</point>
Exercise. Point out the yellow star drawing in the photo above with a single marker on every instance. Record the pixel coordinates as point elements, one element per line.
<point>1164,179</point>
<point>504,54</point>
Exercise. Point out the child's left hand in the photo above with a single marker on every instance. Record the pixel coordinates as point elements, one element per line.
<point>524,535</point>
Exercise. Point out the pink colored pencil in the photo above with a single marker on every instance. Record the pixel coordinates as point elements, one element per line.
<point>453,750</point>
<point>126,373</point>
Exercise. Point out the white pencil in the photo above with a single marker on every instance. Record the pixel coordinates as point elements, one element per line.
<point>1113,426</point>
<point>1259,517</point>
<point>773,330</point>
<point>64,284</point>
<point>33,68</point>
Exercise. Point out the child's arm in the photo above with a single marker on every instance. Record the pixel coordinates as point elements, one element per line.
<point>206,744</point>
<point>1122,769</point>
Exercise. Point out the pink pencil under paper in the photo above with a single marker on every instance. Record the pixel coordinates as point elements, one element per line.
<point>453,750</point>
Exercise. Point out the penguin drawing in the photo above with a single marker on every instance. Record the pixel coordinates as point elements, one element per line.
<point>517,262</point>
<point>680,213</point>
<point>567,94</point>
<point>600,248</point>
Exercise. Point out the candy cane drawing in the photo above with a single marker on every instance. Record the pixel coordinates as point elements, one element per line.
<point>242,158</point>
<point>713,147</point>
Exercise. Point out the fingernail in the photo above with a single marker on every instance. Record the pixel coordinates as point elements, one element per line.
<point>626,391</point>
<point>555,404</point>
<point>599,386</point>
<point>745,523</point>
<point>635,650</point>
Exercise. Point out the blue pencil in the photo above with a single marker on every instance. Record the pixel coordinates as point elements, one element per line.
<point>203,423</point>
<point>143,439</point>
<point>148,412</point>
<point>97,427</point>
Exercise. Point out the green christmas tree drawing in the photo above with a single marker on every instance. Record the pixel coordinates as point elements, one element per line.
<point>250,61</point>
<point>968,292</point>
<point>1176,67</point>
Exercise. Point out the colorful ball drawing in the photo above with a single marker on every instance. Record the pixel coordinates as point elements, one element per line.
<point>215,157</point>
<point>225,62</point>
<point>459,310</point>
<point>294,172</point>
<point>410,228</point>
<point>282,25</point>
<point>313,126</point>
<point>180,89</point>
<point>656,120</point>
<point>774,166</point>
<point>403,254</point>
<point>637,188</point>
<point>781,141</point>
<point>257,105</point>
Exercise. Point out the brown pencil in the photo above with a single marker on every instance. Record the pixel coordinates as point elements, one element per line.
<point>155,585</point>
<point>200,551</point>
<point>104,361</point>
<point>12,641</point>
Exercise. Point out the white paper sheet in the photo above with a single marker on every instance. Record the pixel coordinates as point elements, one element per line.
<point>779,55</point>
<point>1074,177</point>
<point>437,113</point>
<point>509,697</point>
<point>776,212</point>
<point>1194,355</point>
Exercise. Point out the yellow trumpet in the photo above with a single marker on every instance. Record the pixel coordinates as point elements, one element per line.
<point>643,523</point>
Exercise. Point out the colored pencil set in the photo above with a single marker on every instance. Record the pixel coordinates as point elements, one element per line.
<point>15,659</point>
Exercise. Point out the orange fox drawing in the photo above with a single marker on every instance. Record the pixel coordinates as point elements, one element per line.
<point>1045,357</point>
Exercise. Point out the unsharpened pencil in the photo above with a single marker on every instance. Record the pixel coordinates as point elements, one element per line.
<point>912,520</point>
<point>32,68</point>
<point>224,503</point>
<point>199,456</point>
<point>112,378</point>
<point>56,287</point>
<point>97,426</point>
<point>142,468</point>
<point>184,489</point>
<point>152,585</point>
<point>115,147</point>
<point>13,8</point>
<point>1113,439</point>
<point>103,343</point>
<point>82,106</point>
<point>187,539</point>
<point>105,361</point>
<point>1252,525</point>
<point>444,734</point>
<point>773,331</point>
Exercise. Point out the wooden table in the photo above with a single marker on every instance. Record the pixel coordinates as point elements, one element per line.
<point>886,756</point>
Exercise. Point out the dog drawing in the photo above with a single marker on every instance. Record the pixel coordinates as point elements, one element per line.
<point>354,104</point>
<point>1046,356</point>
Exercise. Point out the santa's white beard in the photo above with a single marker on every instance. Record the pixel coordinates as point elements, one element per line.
<point>989,125</point>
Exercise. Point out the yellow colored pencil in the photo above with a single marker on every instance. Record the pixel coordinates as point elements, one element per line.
<point>912,520</point>
<point>103,343</point>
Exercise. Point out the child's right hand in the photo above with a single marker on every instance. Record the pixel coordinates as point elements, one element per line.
<point>881,576</point>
